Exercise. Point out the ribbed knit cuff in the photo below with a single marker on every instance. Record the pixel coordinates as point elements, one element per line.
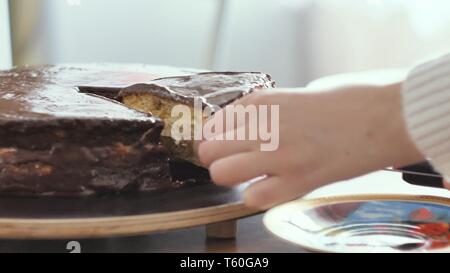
<point>426,104</point>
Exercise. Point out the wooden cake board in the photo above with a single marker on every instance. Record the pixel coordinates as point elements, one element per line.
<point>124,215</point>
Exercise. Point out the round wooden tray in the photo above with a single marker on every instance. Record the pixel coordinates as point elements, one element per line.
<point>124,215</point>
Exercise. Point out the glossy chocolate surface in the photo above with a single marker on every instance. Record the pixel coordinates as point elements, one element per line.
<point>212,88</point>
<point>50,93</point>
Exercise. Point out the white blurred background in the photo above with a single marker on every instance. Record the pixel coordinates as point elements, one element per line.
<point>5,37</point>
<point>294,40</point>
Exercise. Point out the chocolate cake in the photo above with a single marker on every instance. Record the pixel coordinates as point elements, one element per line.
<point>63,132</point>
<point>56,141</point>
<point>209,89</point>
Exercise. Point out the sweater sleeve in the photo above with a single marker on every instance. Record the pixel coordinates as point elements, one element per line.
<point>426,105</point>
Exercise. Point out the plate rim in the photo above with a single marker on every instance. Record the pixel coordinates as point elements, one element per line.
<point>304,204</point>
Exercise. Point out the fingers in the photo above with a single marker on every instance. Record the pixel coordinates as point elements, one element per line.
<point>220,147</point>
<point>210,151</point>
<point>220,117</point>
<point>270,192</point>
<point>240,168</point>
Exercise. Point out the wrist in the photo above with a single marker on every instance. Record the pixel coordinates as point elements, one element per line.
<point>400,150</point>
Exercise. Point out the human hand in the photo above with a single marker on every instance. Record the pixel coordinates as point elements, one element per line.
<point>325,136</point>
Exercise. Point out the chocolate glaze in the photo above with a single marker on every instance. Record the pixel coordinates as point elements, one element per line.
<point>108,83</point>
<point>212,88</point>
<point>49,93</point>
<point>56,141</point>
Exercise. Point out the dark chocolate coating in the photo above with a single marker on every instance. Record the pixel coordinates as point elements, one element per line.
<point>212,88</point>
<point>56,141</point>
<point>107,83</point>
<point>49,93</point>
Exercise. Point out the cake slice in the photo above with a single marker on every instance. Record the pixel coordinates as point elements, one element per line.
<point>211,89</point>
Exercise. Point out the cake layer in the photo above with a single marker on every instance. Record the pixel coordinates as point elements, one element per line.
<point>42,134</point>
<point>77,170</point>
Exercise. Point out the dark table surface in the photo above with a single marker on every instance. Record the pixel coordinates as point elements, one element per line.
<point>252,237</point>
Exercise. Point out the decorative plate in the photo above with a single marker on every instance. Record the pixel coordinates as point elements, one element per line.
<point>387,223</point>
